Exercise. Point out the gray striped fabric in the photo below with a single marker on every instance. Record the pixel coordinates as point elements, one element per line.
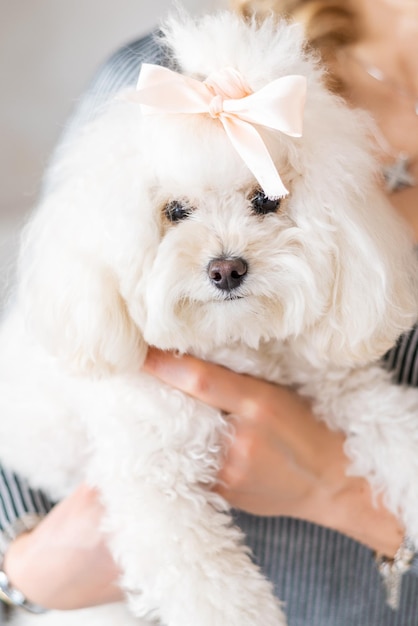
<point>324,578</point>
<point>18,499</point>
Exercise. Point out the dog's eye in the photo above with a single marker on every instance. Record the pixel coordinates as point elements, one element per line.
<point>176,211</point>
<point>262,204</point>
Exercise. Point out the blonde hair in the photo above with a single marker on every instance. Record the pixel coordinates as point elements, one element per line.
<point>329,24</point>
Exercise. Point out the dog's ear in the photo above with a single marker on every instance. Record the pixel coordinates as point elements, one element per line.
<point>374,295</point>
<point>371,295</point>
<point>82,256</point>
<point>73,305</point>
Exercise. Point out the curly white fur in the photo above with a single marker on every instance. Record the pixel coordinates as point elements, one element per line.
<point>102,274</point>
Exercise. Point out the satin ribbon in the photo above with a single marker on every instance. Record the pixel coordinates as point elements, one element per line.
<point>225,96</point>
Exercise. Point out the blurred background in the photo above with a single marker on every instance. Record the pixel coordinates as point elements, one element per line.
<point>49,50</point>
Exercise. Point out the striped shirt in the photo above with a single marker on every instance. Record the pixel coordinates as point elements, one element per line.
<point>323,577</point>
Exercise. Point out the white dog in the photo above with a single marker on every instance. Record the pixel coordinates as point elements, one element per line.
<point>167,227</point>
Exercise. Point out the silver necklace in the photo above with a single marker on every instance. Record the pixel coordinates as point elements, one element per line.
<point>396,175</point>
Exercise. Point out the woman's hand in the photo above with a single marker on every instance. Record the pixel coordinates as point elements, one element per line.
<point>282,460</point>
<point>64,562</point>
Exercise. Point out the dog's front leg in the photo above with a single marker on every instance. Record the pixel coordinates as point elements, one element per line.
<point>380,421</point>
<point>182,561</point>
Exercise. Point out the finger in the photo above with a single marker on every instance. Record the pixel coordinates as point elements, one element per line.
<point>264,404</point>
<point>211,383</point>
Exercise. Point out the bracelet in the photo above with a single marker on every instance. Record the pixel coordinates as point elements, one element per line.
<point>14,597</point>
<point>9,594</point>
<point>392,570</point>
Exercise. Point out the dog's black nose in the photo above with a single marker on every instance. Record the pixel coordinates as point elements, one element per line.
<point>227,274</point>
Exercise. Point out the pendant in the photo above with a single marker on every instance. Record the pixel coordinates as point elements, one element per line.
<point>397,176</point>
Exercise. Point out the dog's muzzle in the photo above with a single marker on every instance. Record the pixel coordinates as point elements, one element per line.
<point>227,274</point>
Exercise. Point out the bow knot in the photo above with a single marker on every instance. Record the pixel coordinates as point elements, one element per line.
<point>226,96</point>
<point>226,84</point>
<point>216,106</point>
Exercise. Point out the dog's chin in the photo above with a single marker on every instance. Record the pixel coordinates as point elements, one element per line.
<point>223,299</point>
<point>217,323</point>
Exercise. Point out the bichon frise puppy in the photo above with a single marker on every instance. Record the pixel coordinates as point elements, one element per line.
<point>211,211</point>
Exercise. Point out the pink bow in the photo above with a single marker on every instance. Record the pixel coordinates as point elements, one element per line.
<point>224,95</point>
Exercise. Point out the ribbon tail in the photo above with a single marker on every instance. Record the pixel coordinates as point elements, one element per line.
<point>253,151</point>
